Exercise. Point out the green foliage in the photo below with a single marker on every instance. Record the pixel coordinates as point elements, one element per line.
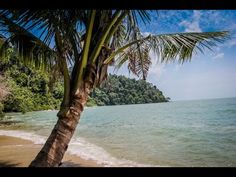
<point>29,90</point>
<point>22,99</point>
<point>91,102</point>
<point>58,90</point>
<point>118,90</point>
<point>1,110</point>
<point>28,87</point>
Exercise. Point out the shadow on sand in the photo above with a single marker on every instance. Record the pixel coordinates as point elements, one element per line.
<point>69,164</point>
<point>8,164</point>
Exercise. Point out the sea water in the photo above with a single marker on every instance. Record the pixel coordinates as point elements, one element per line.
<point>178,133</point>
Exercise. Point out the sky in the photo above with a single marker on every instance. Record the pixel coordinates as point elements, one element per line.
<point>208,75</point>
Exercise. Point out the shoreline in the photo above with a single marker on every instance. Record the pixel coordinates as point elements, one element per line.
<point>18,152</point>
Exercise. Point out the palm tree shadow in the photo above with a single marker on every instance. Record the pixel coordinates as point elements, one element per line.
<point>8,164</point>
<point>69,164</point>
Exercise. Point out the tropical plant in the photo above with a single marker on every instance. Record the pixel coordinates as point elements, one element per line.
<point>88,41</point>
<point>4,91</point>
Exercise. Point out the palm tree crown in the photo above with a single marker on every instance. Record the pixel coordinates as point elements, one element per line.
<point>47,37</point>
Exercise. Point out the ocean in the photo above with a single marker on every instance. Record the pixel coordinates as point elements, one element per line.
<point>199,133</point>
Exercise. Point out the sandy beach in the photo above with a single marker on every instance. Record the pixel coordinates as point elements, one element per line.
<point>17,152</point>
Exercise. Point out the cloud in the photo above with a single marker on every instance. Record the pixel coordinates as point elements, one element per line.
<point>192,26</point>
<point>219,56</point>
<point>145,34</point>
<point>157,68</point>
<point>230,43</point>
<point>208,18</point>
<point>168,19</point>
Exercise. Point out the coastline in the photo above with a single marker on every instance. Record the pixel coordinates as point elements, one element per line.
<point>18,152</point>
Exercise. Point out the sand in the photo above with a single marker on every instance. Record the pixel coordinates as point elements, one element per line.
<point>17,152</point>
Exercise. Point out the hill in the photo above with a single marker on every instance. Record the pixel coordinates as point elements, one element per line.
<point>120,90</point>
<point>32,90</point>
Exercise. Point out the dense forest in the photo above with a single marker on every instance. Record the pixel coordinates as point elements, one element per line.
<point>24,88</point>
<point>118,90</point>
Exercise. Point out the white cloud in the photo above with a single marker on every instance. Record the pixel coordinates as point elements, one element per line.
<point>192,26</point>
<point>157,68</point>
<point>232,27</point>
<point>219,56</point>
<point>231,42</point>
<point>145,34</point>
<point>209,17</point>
<point>196,14</point>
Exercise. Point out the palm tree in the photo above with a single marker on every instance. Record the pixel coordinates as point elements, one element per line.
<point>88,41</point>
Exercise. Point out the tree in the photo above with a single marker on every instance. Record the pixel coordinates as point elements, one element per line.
<point>118,90</point>
<point>4,91</point>
<point>89,41</point>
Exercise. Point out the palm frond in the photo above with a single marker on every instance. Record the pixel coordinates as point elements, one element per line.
<point>32,32</point>
<point>44,23</point>
<point>30,48</point>
<point>139,62</point>
<point>182,46</point>
<point>145,16</point>
<point>169,48</point>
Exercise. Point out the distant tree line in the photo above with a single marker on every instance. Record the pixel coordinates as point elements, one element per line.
<point>119,90</point>
<point>24,88</point>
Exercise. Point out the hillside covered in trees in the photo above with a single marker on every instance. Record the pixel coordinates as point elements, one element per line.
<point>119,90</point>
<point>28,89</point>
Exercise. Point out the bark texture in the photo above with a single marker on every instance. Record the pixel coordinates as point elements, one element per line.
<point>56,145</point>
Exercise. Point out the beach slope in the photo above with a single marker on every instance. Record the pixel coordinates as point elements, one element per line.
<point>17,152</point>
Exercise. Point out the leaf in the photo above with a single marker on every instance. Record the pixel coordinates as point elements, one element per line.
<point>181,46</point>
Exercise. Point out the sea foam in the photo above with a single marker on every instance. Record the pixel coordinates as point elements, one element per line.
<point>36,139</point>
<point>79,147</point>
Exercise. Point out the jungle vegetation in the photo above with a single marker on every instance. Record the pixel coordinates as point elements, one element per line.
<point>26,89</point>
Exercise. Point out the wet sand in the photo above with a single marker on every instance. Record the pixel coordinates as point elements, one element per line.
<point>17,152</point>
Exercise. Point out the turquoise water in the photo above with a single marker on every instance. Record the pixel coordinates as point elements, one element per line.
<point>181,133</point>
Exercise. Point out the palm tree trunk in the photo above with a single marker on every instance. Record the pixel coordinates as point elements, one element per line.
<point>56,145</point>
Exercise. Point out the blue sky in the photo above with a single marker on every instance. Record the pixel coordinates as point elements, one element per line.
<point>212,75</point>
